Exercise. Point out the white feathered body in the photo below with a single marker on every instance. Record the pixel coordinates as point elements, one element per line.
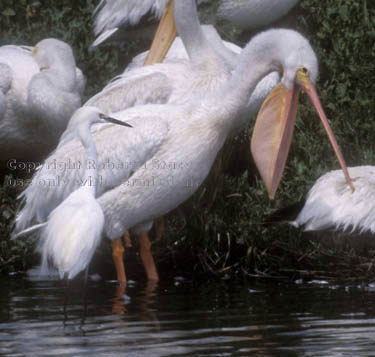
<point>173,82</point>
<point>110,15</point>
<point>154,167</point>
<point>36,104</point>
<point>331,204</point>
<point>186,153</point>
<point>115,13</point>
<point>19,67</point>
<point>64,170</point>
<point>251,14</point>
<point>72,234</point>
<point>181,76</point>
<point>178,52</point>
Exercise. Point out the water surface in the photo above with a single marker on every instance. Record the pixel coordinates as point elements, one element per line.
<point>179,317</point>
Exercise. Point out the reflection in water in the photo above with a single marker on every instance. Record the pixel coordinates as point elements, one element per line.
<point>182,318</point>
<point>146,300</point>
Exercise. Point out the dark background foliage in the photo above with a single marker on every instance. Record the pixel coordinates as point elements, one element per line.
<point>229,235</point>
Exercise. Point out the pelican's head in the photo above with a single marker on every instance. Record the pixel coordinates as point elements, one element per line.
<point>50,50</point>
<point>273,130</point>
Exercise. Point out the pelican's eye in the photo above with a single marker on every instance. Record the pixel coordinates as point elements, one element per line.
<point>303,76</point>
<point>101,116</point>
<point>302,72</point>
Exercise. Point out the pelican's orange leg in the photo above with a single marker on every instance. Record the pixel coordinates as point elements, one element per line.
<point>118,258</point>
<point>128,242</point>
<point>147,258</point>
<point>159,225</point>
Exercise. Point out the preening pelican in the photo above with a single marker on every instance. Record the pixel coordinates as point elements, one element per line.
<point>331,205</point>
<point>39,91</point>
<point>110,15</point>
<point>79,215</point>
<point>169,152</point>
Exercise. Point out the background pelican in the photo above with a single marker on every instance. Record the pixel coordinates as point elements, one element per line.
<point>330,205</point>
<point>110,15</point>
<point>251,14</point>
<point>187,137</point>
<point>39,92</point>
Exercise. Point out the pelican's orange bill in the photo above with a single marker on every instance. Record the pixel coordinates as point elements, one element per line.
<point>274,127</point>
<point>164,37</point>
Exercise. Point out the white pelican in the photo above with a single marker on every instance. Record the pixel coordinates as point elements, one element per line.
<point>203,66</point>
<point>39,91</point>
<point>151,170</point>
<point>330,205</point>
<point>110,15</point>
<point>79,215</point>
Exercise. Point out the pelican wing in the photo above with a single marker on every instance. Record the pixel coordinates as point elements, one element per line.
<point>143,86</point>
<point>109,15</point>
<point>120,153</point>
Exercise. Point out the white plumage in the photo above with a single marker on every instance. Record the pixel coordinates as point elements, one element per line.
<point>175,80</point>
<point>61,240</point>
<point>331,204</point>
<point>197,63</point>
<point>38,94</point>
<point>73,229</point>
<point>177,52</point>
<point>150,170</point>
<point>110,15</point>
<point>251,14</point>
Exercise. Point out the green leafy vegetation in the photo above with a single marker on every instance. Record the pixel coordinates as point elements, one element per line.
<point>228,236</point>
<point>15,255</point>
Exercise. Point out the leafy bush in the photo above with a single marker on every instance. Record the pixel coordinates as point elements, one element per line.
<point>14,255</point>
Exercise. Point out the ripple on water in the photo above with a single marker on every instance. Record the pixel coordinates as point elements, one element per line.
<point>46,318</point>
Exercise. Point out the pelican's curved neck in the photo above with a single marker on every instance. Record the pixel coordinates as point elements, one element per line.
<point>263,55</point>
<point>189,29</point>
<point>217,43</point>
